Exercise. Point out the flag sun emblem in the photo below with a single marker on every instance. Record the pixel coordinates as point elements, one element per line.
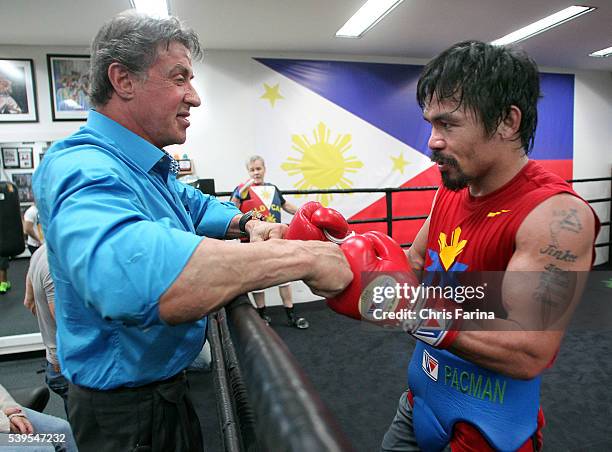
<point>323,164</point>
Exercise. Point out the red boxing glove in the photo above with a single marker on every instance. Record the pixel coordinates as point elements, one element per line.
<point>385,291</point>
<point>374,252</point>
<point>312,221</point>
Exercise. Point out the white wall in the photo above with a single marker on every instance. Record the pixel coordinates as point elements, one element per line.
<point>593,143</point>
<point>222,133</point>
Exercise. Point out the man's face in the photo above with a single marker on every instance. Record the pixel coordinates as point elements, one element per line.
<point>5,86</point>
<point>458,143</point>
<point>162,100</point>
<point>257,171</point>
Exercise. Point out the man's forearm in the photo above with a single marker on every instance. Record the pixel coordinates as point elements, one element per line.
<point>28,300</point>
<point>289,208</point>
<point>517,354</point>
<point>219,271</point>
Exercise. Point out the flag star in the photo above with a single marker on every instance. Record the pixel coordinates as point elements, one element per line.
<point>399,163</point>
<point>271,93</point>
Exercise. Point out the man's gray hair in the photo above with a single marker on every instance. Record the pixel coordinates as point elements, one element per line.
<point>254,158</point>
<point>132,39</point>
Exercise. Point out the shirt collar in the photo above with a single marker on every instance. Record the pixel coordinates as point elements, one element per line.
<point>136,148</point>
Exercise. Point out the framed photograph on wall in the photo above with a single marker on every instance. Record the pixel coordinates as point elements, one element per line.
<point>26,158</point>
<point>184,165</point>
<point>69,85</point>
<point>17,91</point>
<point>10,158</point>
<point>23,181</point>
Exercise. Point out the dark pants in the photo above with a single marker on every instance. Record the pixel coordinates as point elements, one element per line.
<point>32,249</point>
<point>156,417</point>
<point>57,383</point>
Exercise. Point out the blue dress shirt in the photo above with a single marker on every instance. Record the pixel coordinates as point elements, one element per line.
<point>119,230</point>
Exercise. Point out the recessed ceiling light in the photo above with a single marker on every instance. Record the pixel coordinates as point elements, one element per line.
<point>155,8</point>
<point>602,53</point>
<point>368,15</point>
<point>544,24</point>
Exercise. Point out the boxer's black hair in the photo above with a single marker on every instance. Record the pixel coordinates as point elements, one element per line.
<point>133,39</point>
<point>486,80</point>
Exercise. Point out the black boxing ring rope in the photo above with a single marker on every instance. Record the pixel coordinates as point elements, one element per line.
<point>229,424</point>
<point>266,402</point>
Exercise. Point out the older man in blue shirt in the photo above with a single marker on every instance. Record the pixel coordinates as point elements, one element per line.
<point>134,275</point>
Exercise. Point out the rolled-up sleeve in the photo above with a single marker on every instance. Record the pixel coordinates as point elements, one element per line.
<point>116,257</point>
<point>210,216</point>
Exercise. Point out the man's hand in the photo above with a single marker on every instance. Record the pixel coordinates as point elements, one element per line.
<point>260,231</point>
<point>331,273</point>
<point>19,423</point>
<point>30,305</point>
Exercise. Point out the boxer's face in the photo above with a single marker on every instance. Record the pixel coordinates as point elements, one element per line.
<point>162,100</point>
<point>257,171</point>
<point>458,143</point>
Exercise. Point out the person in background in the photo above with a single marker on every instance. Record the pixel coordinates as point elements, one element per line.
<point>32,228</point>
<point>40,300</point>
<point>265,200</point>
<point>5,284</point>
<point>17,420</point>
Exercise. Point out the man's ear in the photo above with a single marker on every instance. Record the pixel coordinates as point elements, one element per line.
<point>510,125</point>
<point>122,80</point>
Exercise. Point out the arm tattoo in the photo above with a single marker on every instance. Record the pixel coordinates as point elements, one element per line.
<point>555,293</point>
<point>559,254</point>
<point>564,220</point>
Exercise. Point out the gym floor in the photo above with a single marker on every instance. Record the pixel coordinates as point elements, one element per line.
<point>360,372</point>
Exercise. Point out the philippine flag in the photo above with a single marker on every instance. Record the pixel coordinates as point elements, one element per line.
<point>337,124</point>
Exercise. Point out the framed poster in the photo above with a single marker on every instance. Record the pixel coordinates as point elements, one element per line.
<point>10,158</point>
<point>17,91</point>
<point>23,181</point>
<point>69,86</point>
<point>184,165</point>
<point>26,158</point>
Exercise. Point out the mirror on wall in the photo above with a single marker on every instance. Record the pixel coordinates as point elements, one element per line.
<point>18,161</point>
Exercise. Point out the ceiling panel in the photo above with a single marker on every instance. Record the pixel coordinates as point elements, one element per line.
<point>417,28</point>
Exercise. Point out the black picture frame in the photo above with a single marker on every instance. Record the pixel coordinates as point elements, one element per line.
<point>23,182</point>
<point>10,158</point>
<point>18,90</point>
<point>26,158</point>
<point>68,86</point>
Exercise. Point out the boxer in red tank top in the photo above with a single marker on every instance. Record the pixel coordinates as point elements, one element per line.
<point>497,211</point>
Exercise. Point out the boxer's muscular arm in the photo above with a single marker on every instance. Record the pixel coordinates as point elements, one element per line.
<point>218,271</point>
<point>540,290</point>
<point>416,252</point>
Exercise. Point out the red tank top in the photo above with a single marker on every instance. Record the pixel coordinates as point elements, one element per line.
<point>469,233</point>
